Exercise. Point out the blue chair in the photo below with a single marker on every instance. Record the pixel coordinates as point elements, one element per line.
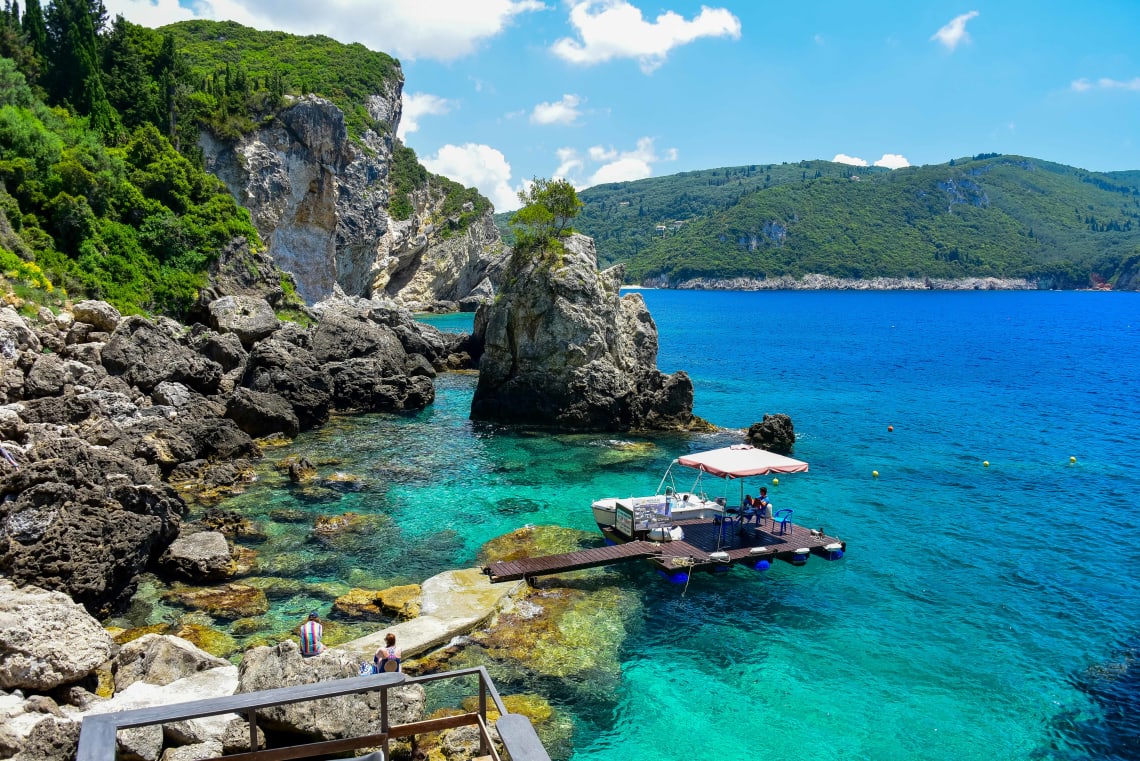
<point>727,524</point>
<point>754,513</point>
<point>784,518</point>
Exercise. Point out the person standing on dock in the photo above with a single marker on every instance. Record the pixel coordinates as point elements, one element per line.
<point>311,633</point>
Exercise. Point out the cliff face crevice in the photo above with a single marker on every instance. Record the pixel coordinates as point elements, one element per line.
<point>319,200</point>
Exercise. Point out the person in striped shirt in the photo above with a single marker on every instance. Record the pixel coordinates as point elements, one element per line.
<point>311,633</point>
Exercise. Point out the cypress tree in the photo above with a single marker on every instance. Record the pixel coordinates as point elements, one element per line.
<point>74,77</point>
<point>35,30</point>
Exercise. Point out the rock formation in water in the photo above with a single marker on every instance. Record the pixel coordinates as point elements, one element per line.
<point>562,348</point>
<point>774,433</point>
<point>320,200</point>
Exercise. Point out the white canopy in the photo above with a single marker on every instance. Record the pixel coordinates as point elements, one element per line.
<point>742,460</point>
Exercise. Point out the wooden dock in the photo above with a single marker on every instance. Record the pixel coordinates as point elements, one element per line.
<point>707,546</point>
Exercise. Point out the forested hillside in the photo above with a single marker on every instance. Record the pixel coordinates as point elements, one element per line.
<point>102,188</point>
<point>986,216</point>
<point>94,201</point>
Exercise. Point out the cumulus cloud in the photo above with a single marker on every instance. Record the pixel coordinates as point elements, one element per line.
<point>1104,83</point>
<point>600,164</point>
<point>568,164</point>
<point>439,29</point>
<point>893,161</point>
<point>564,111</point>
<point>624,166</point>
<point>481,166</point>
<point>419,104</point>
<point>608,29</point>
<point>954,32</point>
<point>843,158</point>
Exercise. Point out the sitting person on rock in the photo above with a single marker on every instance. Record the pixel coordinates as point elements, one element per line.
<point>311,633</point>
<point>387,658</point>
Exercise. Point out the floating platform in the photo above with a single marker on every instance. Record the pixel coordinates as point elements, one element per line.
<point>708,545</point>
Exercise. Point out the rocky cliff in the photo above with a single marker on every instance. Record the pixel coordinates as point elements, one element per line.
<point>319,199</point>
<point>562,348</point>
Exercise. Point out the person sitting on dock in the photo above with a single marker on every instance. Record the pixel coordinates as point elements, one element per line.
<point>761,504</point>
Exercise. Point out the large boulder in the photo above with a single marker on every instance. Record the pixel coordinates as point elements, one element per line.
<point>265,668</point>
<point>371,385</point>
<point>262,414</point>
<point>160,659</point>
<point>145,354</point>
<point>248,317</point>
<point>774,433</point>
<point>46,640</point>
<point>562,348</point>
<point>99,314</point>
<point>198,558</point>
<point>342,334</point>
<point>277,366</point>
<point>84,520</point>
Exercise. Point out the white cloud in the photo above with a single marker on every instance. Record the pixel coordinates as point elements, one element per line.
<point>564,111</point>
<point>893,161</point>
<point>624,166</point>
<point>477,165</point>
<point>439,29</point>
<point>419,104</point>
<point>843,158</point>
<point>569,164</point>
<point>601,153</point>
<point>608,29</point>
<point>954,32</point>
<point>1104,83</point>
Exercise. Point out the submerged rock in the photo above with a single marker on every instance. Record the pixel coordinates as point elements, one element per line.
<point>562,348</point>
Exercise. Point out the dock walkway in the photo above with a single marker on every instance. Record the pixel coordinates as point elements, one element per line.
<point>706,547</point>
<point>525,568</point>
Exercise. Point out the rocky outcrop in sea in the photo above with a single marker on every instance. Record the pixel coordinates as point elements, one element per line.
<point>105,419</point>
<point>319,199</point>
<point>562,349</point>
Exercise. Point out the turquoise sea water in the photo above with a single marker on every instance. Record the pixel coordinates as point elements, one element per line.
<point>976,606</point>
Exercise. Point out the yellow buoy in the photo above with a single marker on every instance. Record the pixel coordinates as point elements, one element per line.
<point>775,482</point>
<point>1072,460</point>
<point>985,463</point>
<point>875,474</point>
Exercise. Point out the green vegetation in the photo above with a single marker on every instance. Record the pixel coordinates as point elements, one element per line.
<point>989,215</point>
<point>89,202</point>
<point>548,206</point>
<point>239,75</point>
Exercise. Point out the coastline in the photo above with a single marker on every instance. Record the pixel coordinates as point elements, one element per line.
<point>817,282</point>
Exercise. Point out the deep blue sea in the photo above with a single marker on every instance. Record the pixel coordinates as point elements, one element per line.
<point>982,612</point>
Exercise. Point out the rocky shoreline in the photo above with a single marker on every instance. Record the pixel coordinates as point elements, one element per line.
<point>816,282</point>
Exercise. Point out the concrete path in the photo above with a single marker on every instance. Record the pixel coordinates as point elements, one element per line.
<point>452,603</point>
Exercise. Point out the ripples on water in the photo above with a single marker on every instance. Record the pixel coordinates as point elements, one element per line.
<point>981,613</point>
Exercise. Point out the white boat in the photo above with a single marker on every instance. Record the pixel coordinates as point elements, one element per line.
<point>655,517</point>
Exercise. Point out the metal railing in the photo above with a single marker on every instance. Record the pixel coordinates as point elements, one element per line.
<point>97,738</point>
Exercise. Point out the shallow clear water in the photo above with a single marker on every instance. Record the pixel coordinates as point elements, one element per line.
<point>971,603</point>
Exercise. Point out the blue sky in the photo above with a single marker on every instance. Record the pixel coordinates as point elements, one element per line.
<point>499,91</point>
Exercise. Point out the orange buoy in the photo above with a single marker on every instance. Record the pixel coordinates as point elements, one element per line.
<point>890,427</point>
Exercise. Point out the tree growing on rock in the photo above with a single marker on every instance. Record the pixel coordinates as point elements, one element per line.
<point>548,207</point>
